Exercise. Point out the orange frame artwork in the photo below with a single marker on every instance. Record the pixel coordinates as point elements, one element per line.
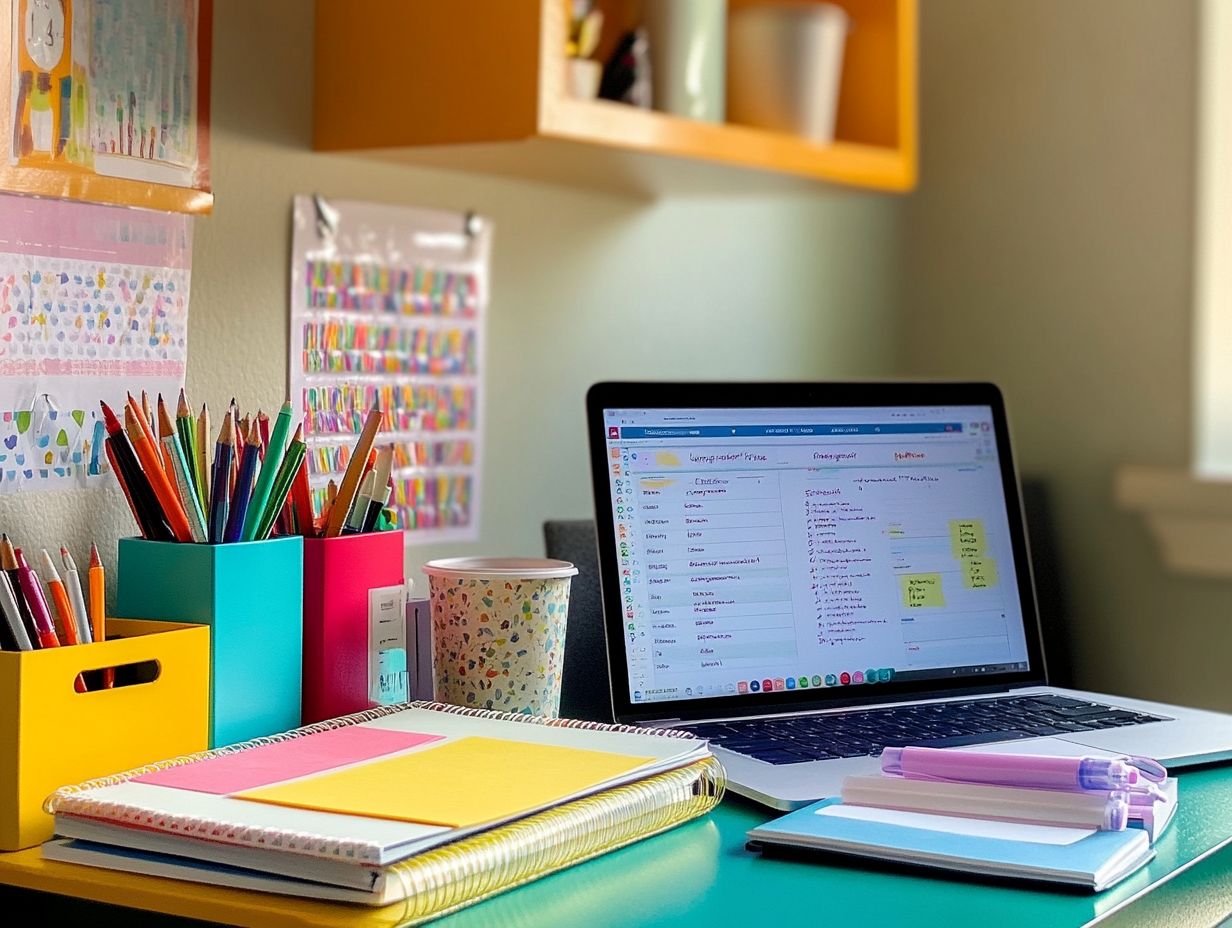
<point>107,101</point>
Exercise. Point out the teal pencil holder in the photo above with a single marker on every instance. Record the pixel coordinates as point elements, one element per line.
<point>251,596</point>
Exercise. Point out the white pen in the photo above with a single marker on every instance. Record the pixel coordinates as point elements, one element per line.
<point>72,581</point>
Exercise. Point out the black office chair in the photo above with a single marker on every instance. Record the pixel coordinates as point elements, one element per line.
<point>585,685</point>
<point>586,691</point>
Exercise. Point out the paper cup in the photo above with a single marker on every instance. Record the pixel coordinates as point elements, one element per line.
<point>498,632</point>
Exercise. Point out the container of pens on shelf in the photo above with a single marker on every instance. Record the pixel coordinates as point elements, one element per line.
<point>83,695</point>
<point>218,547</point>
<point>355,653</point>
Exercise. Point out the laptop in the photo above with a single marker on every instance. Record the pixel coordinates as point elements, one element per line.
<point>805,574</point>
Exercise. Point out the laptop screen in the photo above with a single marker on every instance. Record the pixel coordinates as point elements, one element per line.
<point>764,550</point>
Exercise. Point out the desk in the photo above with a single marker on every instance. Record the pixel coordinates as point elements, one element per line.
<point>700,875</point>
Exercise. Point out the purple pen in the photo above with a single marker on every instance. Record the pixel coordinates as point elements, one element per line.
<point>1034,771</point>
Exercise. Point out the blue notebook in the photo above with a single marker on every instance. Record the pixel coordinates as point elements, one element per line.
<point>1079,857</point>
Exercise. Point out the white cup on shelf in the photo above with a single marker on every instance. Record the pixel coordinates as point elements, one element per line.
<point>785,66</point>
<point>687,53</point>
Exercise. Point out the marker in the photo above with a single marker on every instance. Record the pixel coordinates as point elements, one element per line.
<point>381,489</point>
<point>32,590</point>
<point>64,608</point>
<point>379,502</point>
<point>359,511</point>
<point>59,599</point>
<point>12,614</point>
<point>8,563</point>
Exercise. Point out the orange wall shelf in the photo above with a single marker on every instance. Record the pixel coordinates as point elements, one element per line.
<point>480,85</point>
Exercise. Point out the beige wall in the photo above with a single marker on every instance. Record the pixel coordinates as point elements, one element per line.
<point>1049,249</point>
<point>584,287</point>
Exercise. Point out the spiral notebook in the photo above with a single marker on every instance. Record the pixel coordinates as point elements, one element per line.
<point>400,803</point>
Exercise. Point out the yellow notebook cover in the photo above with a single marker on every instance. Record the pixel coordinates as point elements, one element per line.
<point>464,783</point>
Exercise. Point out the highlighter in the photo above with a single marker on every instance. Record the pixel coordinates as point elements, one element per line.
<point>32,590</point>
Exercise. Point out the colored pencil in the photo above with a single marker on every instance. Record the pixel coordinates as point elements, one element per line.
<point>202,465</point>
<point>354,471</point>
<point>263,422</point>
<point>151,464</point>
<point>220,491</point>
<point>186,429</point>
<point>242,493</point>
<point>122,475</point>
<point>282,482</point>
<point>269,471</point>
<point>237,442</point>
<point>98,607</point>
<point>146,427</point>
<point>331,496</point>
<point>181,478</point>
<point>301,494</point>
<point>137,489</point>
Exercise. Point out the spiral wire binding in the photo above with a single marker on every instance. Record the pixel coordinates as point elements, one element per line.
<point>448,878</point>
<point>65,799</point>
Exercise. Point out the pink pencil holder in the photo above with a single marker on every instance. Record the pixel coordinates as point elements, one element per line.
<point>354,624</point>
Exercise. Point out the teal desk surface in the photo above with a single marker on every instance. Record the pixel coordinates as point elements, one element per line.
<point>701,875</point>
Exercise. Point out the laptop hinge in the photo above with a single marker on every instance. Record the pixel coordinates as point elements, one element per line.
<point>657,723</point>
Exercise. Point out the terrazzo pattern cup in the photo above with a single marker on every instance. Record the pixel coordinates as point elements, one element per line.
<point>498,632</point>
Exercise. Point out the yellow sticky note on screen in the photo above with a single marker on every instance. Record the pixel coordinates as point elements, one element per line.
<point>461,783</point>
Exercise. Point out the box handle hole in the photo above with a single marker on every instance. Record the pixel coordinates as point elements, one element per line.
<point>121,675</point>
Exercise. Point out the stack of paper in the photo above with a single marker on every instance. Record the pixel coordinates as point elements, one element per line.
<point>1079,856</point>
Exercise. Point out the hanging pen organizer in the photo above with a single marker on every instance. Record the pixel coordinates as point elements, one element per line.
<point>51,735</point>
<point>354,624</point>
<point>251,596</point>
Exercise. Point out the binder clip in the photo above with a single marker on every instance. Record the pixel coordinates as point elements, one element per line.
<point>326,216</point>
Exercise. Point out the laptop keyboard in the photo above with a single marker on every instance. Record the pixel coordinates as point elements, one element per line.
<point>861,733</point>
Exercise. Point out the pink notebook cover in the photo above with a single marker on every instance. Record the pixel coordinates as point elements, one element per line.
<point>286,760</point>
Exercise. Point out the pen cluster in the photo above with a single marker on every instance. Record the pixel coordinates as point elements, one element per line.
<point>50,610</point>
<point>253,486</point>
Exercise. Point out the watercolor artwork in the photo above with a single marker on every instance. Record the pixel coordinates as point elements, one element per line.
<point>388,307</point>
<point>93,303</point>
<point>111,87</point>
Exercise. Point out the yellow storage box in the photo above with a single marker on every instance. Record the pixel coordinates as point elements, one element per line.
<point>53,736</point>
